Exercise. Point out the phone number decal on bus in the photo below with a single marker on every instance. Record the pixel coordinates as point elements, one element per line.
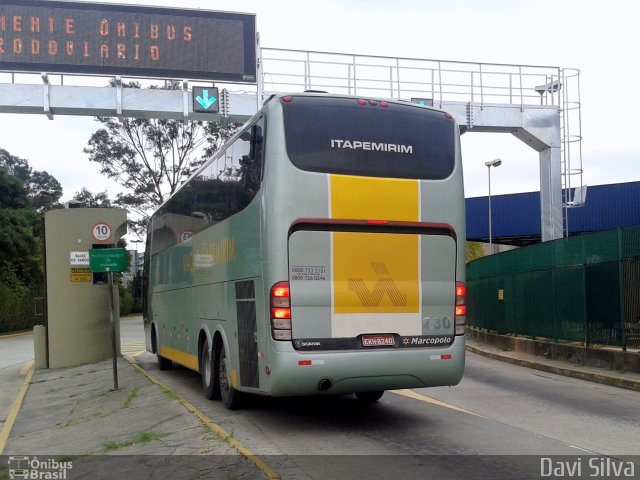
<point>304,273</point>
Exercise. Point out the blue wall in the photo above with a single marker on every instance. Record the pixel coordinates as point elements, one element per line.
<point>518,215</point>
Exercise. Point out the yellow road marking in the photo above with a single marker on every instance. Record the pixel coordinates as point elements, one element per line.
<point>13,413</point>
<point>222,433</point>
<point>424,398</point>
<point>25,368</point>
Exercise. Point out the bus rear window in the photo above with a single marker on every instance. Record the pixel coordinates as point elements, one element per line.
<point>342,136</point>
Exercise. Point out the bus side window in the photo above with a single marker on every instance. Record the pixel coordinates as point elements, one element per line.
<point>257,143</point>
<point>252,165</point>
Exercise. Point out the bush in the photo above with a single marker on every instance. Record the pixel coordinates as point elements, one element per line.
<point>126,300</point>
<point>16,309</point>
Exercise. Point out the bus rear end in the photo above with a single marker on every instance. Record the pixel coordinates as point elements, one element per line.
<point>365,233</point>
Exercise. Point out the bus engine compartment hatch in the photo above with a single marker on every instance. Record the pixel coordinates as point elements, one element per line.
<point>371,289</point>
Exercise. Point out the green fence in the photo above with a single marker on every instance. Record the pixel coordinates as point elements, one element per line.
<point>584,289</point>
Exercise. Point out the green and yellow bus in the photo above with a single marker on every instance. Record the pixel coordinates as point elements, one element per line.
<point>320,251</point>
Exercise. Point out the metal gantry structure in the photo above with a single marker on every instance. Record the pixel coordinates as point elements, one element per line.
<point>540,105</point>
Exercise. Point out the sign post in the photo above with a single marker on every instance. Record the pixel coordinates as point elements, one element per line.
<point>110,260</point>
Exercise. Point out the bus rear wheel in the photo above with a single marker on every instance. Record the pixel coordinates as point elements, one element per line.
<point>369,397</point>
<point>163,363</point>
<point>230,396</point>
<point>209,373</point>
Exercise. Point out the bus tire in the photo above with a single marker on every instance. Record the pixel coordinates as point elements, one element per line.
<point>230,396</point>
<point>163,363</point>
<point>369,397</point>
<point>209,373</point>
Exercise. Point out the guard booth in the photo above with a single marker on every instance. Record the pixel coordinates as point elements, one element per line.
<point>77,326</point>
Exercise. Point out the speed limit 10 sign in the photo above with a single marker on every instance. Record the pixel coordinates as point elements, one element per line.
<point>101,232</point>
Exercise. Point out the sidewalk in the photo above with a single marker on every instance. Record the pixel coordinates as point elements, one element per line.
<point>628,380</point>
<point>72,413</point>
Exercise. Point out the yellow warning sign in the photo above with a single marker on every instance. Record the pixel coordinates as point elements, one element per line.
<point>81,274</point>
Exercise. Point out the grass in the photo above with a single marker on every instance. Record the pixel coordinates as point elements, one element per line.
<point>140,439</point>
<point>132,395</point>
<point>127,404</point>
<point>171,394</point>
<point>67,458</point>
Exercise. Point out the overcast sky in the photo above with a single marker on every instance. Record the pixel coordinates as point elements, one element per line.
<point>598,38</point>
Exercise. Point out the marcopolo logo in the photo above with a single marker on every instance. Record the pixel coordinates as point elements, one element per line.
<point>427,341</point>
<point>36,469</point>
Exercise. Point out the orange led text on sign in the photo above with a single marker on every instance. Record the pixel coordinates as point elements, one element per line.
<point>34,36</point>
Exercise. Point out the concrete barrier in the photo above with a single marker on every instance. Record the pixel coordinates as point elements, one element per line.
<point>603,357</point>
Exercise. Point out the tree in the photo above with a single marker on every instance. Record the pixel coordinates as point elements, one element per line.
<point>474,251</point>
<point>43,190</point>
<point>21,272</point>
<point>20,229</point>
<point>93,200</point>
<point>151,158</point>
<point>12,192</point>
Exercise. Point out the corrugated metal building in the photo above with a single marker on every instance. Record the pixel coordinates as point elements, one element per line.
<point>516,217</point>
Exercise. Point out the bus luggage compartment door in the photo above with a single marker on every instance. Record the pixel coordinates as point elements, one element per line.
<point>361,289</point>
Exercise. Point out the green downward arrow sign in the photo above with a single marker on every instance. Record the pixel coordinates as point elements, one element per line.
<point>205,100</point>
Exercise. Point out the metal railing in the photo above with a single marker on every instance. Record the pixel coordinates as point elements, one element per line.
<point>406,78</point>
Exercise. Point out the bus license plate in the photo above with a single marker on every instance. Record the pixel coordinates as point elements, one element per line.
<point>378,340</point>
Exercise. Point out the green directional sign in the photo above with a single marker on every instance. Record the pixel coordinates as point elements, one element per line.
<point>205,99</point>
<point>427,102</point>
<point>108,260</point>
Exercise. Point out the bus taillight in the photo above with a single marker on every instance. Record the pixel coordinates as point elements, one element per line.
<point>280,311</point>
<point>461,308</point>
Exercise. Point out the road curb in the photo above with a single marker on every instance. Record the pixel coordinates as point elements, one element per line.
<point>565,371</point>
<point>222,433</point>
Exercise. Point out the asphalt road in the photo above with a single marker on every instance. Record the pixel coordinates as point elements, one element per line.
<point>495,424</point>
<point>517,411</point>
<point>15,352</point>
<point>512,415</point>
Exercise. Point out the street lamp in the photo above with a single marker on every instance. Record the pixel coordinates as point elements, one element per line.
<point>135,261</point>
<point>135,266</point>
<point>493,163</point>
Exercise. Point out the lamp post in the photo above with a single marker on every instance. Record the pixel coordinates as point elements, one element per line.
<point>135,260</point>
<point>135,266</point>
<point>493,163</point>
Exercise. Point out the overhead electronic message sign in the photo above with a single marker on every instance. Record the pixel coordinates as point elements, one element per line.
<point>94,38</point>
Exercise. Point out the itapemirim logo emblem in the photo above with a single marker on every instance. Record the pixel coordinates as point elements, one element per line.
<point>35,469</point>
<point>384,285</point>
